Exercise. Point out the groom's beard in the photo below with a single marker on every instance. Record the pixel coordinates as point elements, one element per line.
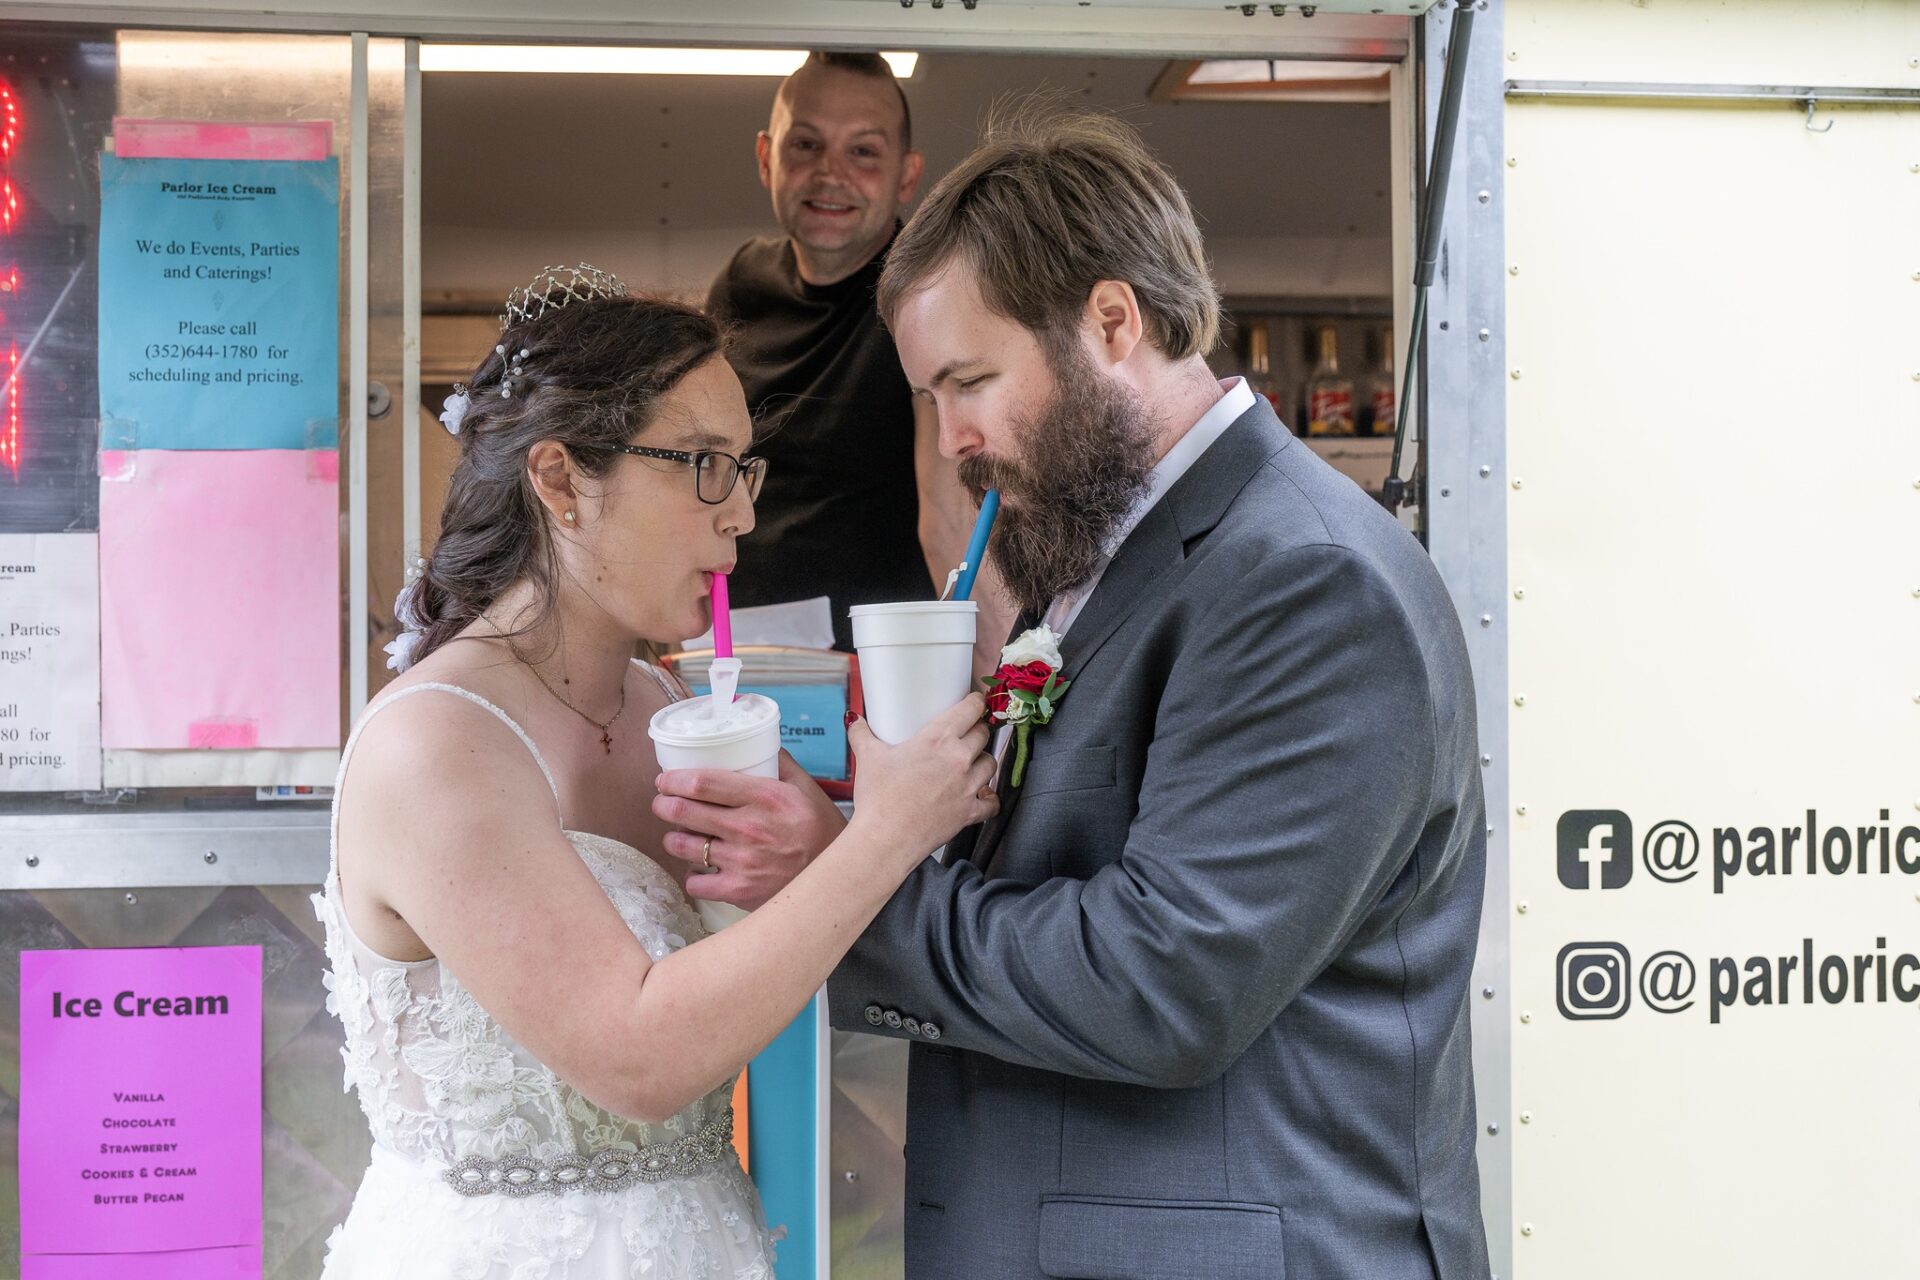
<point>1084,458</point>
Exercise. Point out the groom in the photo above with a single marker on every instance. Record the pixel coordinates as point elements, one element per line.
<point>1195,1003</point>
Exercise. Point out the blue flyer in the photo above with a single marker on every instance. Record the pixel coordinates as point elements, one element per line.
<point>813,726</point>
<point>219,304</point>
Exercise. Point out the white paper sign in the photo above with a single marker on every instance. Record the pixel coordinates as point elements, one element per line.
<point>50,662</point>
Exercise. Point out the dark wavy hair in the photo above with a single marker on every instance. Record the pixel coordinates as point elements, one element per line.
<point>593,377</point>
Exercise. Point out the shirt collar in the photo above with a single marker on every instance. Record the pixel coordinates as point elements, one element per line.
<point>1235,399</point>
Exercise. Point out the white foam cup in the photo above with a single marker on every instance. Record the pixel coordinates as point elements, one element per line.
<point>916,660</point>
<point>745,739</point>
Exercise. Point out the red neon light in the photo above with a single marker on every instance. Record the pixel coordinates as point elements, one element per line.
<point>10,437</point>
<point>10,279</point>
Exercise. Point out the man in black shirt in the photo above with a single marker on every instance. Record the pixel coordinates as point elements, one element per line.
<point>859,506</point>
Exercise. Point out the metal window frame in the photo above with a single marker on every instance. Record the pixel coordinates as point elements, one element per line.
<point>1459,384</point>
<point>1462,387</point>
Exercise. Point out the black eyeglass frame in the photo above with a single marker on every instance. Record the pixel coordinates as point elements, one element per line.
<point>755,469</point>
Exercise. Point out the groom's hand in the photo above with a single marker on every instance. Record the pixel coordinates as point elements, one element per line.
<point>764,831</point>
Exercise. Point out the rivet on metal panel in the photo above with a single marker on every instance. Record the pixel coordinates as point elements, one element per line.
<point>1514,270</point>
<point>1519,699</point>
<point>212,857</point>
<point>1526,1117</point>
<point>1493,1131</point>
<point>131,899</point>
<point>1515,375</point>
<point>1489,828</point>
<point>1519,593</point>
<point>1525,1016</point>
<point>1486,619</point>
<point>1486,471</point>
<point>1448,493</point>
<point>1513,162</point>
<point>1526,1228</point>
<point>1484,197</point>
<point>853,1175</point>
<point>1513,55</point>
<point>1520,809</point>
<point>1486,993</point>
<point>1486,335</point>
<point>1516,482</point>
<point>33,859</point>
<point>1521,907</point>
<point>1485,759</point>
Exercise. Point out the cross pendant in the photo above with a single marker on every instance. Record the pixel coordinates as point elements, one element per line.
<point>606,740</point>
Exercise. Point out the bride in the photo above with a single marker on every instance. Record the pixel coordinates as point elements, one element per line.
<point>542,1034</point>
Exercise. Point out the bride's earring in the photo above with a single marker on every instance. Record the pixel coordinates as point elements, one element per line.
<point>568,517</point>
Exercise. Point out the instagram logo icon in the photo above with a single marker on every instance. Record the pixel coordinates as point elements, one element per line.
<point>1593,981</point>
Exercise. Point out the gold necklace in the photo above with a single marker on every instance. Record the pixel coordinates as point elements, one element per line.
<point>606,729</point>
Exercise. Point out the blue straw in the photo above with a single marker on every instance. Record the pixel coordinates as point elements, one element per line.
<point>977,545</point>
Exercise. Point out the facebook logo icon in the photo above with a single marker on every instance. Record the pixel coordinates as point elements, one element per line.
<point>1596,849</point>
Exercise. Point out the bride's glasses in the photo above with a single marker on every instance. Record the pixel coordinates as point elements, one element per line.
<point>714,472</point>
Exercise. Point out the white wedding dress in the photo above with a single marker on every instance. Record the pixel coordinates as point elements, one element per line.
<point>488,1166</point>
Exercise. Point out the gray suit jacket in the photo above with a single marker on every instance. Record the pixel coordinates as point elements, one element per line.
<point>1195,1003</point>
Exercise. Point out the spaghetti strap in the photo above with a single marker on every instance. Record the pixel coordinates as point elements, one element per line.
<point>381,704</point>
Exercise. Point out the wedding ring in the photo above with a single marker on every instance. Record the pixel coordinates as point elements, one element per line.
<point>706,853</point>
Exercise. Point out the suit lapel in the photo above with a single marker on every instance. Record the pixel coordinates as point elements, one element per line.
<point>1186,513</point>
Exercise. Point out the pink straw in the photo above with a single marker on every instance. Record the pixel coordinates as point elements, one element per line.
<point>722,619</point>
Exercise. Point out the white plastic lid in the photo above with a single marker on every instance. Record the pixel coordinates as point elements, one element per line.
<point>686,724</point>
<point>914,622</point>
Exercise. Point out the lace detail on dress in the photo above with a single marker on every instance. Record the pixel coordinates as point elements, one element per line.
<point>440,1081</point>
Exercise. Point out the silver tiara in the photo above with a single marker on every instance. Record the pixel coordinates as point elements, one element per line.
<point>556,287</point>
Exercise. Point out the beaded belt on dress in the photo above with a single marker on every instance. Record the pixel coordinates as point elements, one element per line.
<point>613,1169</point>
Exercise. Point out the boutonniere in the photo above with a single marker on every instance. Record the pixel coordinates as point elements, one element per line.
<point>1026,689</point>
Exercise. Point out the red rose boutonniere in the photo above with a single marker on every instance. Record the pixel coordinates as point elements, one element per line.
<point>1026,689</point>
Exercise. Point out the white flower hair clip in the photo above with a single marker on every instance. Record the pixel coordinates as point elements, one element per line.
<point>453,410</point>
<point>406,608</point>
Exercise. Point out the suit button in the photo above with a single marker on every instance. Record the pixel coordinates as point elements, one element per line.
<point>893,1019</point>
<point>873,1014</point>
<point>912,1025</point>
<point>930,1030</point>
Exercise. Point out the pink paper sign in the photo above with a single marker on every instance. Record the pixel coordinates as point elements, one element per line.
<point>140,1145</point>
<point>220,599</point>
<point>138,139</point>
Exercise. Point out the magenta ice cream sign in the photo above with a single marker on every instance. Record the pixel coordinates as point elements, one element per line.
<point>140,1147</point>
